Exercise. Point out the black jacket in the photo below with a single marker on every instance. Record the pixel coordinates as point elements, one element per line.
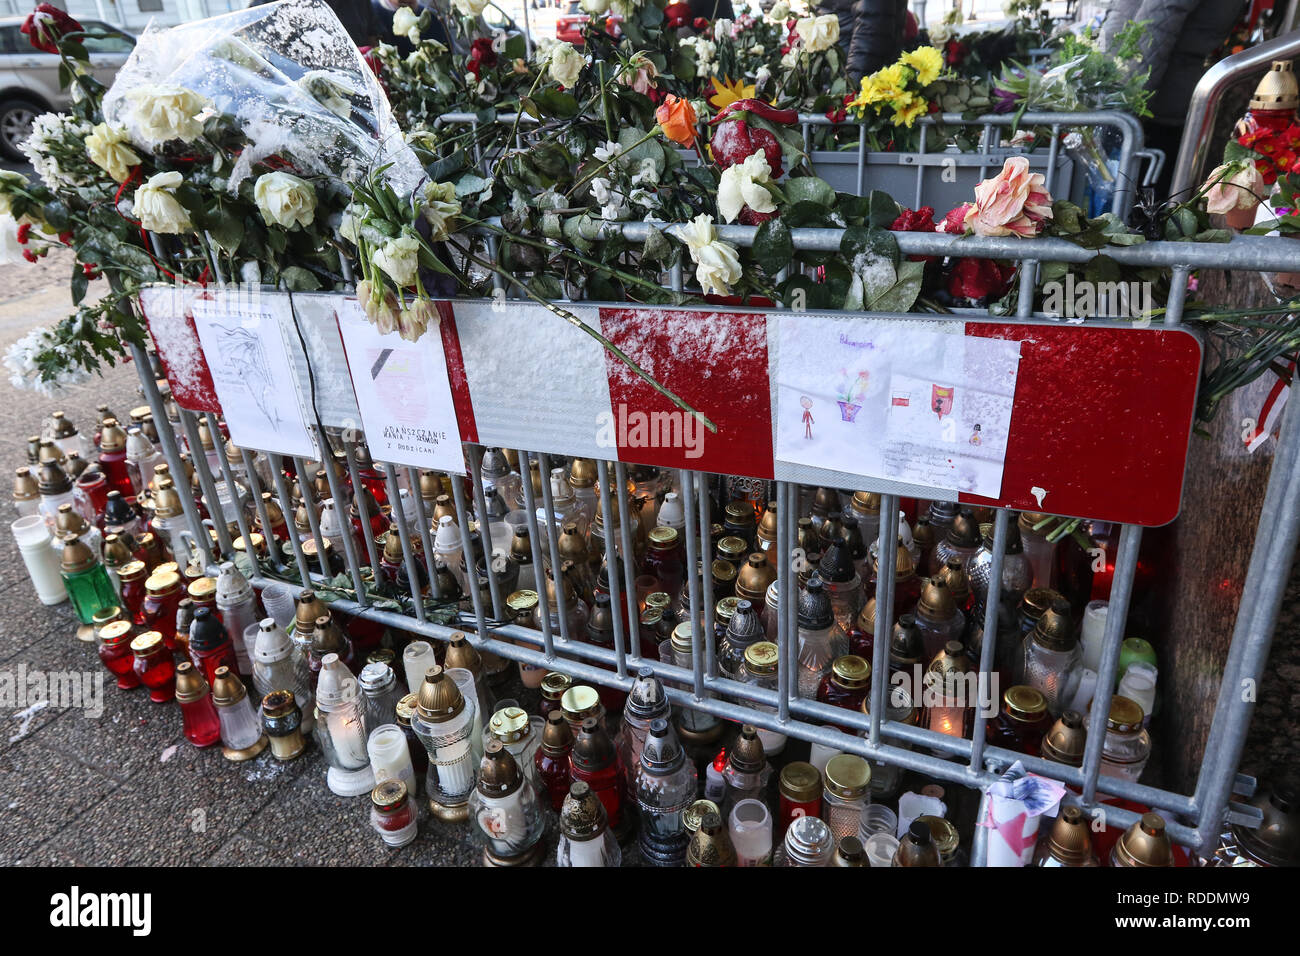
<point>707,8</point>
<point>876,35</point>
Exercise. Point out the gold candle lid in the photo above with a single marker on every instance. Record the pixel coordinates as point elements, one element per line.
<point>76,556</point>
<point>847,776</point>
<point>438,699</point>
<point>761,658</point>
<point>851,671</point>
<point>1145,844</point>
<point>150,642</point>
<point>26,487</point>
<point>1278,89</point>
<point>190,685</point>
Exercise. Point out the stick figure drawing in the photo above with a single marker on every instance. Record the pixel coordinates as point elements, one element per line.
<point>806,402</point>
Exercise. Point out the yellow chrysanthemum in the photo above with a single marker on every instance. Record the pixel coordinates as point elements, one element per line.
<point>887,84</point>
<point>927,61</point>
<point>908,109</point>
<point>729,91</point>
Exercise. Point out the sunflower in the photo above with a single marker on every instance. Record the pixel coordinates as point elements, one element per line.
<point>729,91</point>
<point>927,61</point>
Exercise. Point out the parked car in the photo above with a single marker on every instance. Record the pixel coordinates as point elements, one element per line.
<point>29,79</point>
<point>568,26</point>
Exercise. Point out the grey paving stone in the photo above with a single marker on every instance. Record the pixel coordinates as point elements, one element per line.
<point>44,785</point>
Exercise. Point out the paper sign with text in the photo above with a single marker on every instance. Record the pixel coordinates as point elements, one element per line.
<point>403,393</point>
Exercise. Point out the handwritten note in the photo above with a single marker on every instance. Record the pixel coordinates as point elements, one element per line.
<point>242,332</point>
<point>403,393</point>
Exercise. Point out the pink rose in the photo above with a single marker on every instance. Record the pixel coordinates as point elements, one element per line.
<point>1014,202</point>
<point>1239,189</point>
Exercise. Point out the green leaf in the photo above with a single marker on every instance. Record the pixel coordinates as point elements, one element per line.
<point>299,279</point>
<point>559,104</point>
<point>546,286</point>
<point>79,284</point>
<point>657,248</point>
<point>810,189</point>
<point>857,241</point>
<point>899,295</point>
<point>1066,216</point>
<point>807,214</point>
<point>884,210</point>
<point>773,246</point>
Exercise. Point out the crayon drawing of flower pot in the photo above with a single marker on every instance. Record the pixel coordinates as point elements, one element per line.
<point>848,411</point>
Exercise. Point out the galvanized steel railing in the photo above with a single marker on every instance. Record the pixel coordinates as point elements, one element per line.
<point>970,762</point>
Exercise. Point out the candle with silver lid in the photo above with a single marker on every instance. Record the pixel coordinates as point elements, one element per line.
<point>278,664</point>
<point>379,685</point>
<point>808,842</point>
<point>666,784</point>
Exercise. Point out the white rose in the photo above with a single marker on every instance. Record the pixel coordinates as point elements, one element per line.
<point>818,33</point>
<point>156,206</point>
<point>758,49</point>
<point>940,34</point>
<point>741,185</point>
<point>285,200</point>
<point>762,75</point>
<point>330,90</point>
<point>791,59</point>
<point>566,63</point>
<point>717,266</point>
<point>705,50</point>
<point>165,113</point>
<point>780,12</point>
<point>107,148</point>
<point>405,23</point>
<point>469,8</point>
<point>400,258</point>
<point>721,29</point>
<point>441,206</point>
<point>594,8</point>
<point>11,250</point>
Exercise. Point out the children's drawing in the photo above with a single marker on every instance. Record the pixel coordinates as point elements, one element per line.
<point>243,347</point>
<point>852,388</point>
<point>941,400</point>
<point>806,402</point>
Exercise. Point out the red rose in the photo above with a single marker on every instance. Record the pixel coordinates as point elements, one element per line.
<point>978,278</point>
<point>921,220</point>
<point>955,222</point>
<point>735,141</point>
<point>837,115</point>
<point>46,25</point>
<point>700,23</point>
<point>747,217</point>
<point>954,51</point>
<point>481,55</point>
<point>676,15</point>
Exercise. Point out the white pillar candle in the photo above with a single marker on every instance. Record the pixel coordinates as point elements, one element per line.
<point>33,538</point>
<point>820,754</point>
<point>587,852</point>
<point>1083,691</point>
<point>750,825</point>
<point>1093,638</point>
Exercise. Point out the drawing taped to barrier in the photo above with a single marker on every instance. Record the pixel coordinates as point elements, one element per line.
<point>909,401</point>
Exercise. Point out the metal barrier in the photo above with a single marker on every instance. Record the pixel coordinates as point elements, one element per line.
<point>969,762</point>
<point>891,171</point>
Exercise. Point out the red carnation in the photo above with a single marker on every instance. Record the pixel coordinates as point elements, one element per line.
<point>979,278</point>
<point>47,25</point>
<point>24,231</point>
<point>29,255</point>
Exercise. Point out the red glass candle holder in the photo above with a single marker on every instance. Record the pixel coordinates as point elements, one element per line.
<point>199,719</point>
<point>153,665</point>
<point>158,609</point>
<point>115,652</point>
<point>133,591</point>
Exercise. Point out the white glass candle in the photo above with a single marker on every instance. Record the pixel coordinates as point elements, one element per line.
<point>347,734</point>
<point>1139,684</point>
<point>1093,638</point>
<point>33,538</point>
<point>390,757</point>
<point>417,658</point>
<point>751,833</point>
<point>819,754</point>
<point>240,725</point>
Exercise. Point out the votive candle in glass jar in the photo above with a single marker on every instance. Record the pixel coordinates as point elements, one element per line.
<point>341,729</point>
<point>1127,747</point>
<point>282,721</point>
<point>131,587</point>
<point>808,842</point>
<point>847,791</point>
<point>417,658</point>
<point>241,728</point>
<point>162,600</point>
<point>84,576</point>
<point>202,726</point>
<point>505,807</point>
<point>666,784</point>
<point>153,665</point>
<point>115,651</point>
<point>750,826</point>
<point>552,760</point>
<point>585,836</point>
<point>391,812</point>
<point>390,756</point>
<point>800,786</point>
<point>379,687</point>
<point>443,720</point>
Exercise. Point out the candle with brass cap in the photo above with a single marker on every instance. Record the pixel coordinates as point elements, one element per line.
<point>443,720</point>
<point>505,807</point>
<point>241,728</point>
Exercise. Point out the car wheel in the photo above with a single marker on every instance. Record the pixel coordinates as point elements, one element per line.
<point>15,126</point>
